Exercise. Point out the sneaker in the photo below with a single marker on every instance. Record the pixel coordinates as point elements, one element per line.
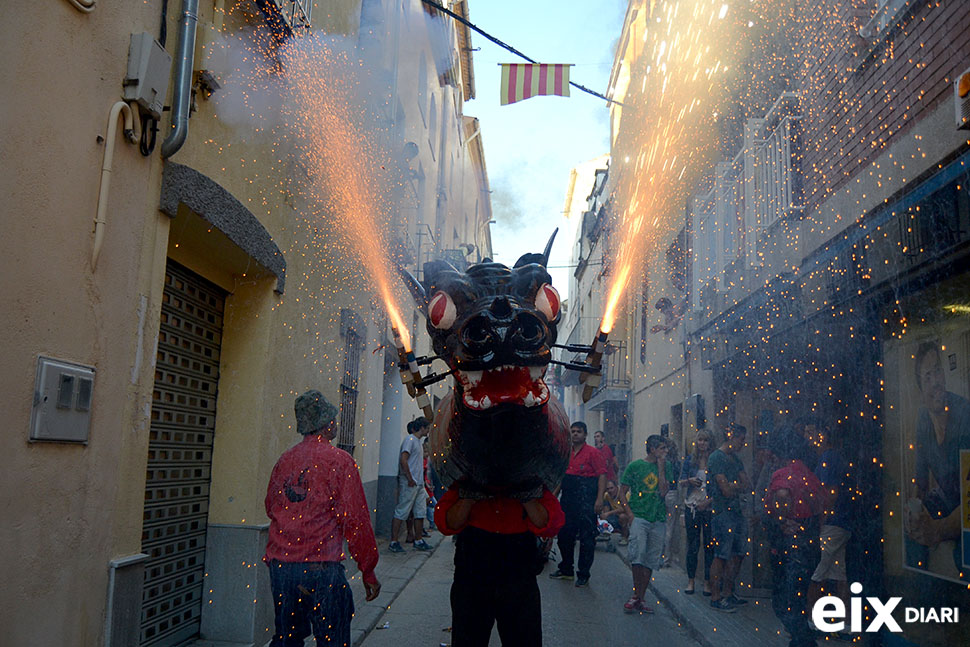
<point>421,545</point>
<point>395,547</point>
<point>582,581</point>
<point>736,601</point>
<point>643,607</point>
<point>723,605</point>
<point>559,575</point>
<point>623,541</point>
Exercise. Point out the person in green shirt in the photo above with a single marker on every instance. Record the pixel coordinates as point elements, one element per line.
<point>646,489</point>
<point>726,480</point>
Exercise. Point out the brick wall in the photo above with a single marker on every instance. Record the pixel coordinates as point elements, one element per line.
<point>860,97</point>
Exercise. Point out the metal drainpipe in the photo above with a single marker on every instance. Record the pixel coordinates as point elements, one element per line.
<point>183,79</point>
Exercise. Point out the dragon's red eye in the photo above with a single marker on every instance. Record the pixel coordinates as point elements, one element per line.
<point>547,302</point>
<point>441,311</point>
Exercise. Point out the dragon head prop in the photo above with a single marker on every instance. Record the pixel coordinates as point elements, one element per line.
<point>499,432</point>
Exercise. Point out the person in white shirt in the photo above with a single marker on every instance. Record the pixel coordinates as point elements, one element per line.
<point>410,481</point>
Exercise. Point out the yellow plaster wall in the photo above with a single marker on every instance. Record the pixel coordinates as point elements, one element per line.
<point>69,509</point>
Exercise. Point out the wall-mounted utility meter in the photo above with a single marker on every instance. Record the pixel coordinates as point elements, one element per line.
<point>149,66</point>
<point>62,401</point>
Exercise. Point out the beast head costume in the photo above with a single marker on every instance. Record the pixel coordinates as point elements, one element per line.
<point>499,432</point>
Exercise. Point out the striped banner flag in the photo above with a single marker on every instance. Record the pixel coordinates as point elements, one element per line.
<point>524,80</point>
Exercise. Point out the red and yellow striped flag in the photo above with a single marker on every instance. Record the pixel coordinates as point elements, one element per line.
<point>524,80</point>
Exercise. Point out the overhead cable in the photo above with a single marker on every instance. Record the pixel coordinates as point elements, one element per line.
<point>432,3</point>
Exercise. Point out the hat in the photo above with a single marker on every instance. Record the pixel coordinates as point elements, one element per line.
<point>313,412</point>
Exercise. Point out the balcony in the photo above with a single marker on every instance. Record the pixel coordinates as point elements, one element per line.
<point>777,185</point>
<point>615,387</point>
<point>735,220</point>
<point>401,247</point>
<point>286,17</point>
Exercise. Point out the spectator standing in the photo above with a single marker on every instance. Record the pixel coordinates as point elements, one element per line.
<point>612,467</point>
<point>412,498</point>
<point>793,507</point>
<point>836,521</point>
<point>496,563</point>
<point>697,509</point>
<point>315,500</point>
<point>433,489</point>
<point>581,499</point>
<point>726,480</point>
<point>646,486</point>
<point>803,442</point>
<point>672,503</point>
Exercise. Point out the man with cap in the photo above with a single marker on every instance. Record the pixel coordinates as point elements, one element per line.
<point>315,500</point>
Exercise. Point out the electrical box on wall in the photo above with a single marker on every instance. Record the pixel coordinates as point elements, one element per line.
<point>149,66</point>
<point>62,401</point>
<point>961,100</point>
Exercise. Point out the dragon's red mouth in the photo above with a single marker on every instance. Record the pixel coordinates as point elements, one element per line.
<point>522,385</point>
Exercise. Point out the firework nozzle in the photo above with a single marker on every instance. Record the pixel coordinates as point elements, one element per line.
<point>594,359</point>
<point>411,375</point>
<point>403,363</point>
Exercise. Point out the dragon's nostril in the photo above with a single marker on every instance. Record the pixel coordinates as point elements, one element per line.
<point>529,332</point>
<point>476,333</point>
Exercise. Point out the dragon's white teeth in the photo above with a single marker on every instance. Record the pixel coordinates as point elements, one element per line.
<point>486,402</point>
<point>529,400</point>
<point>536,372</point>
<point>473,377</point>
<point>471,402</point>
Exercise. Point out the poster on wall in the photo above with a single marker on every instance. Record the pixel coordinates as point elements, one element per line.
<point>935,420</point>
<point>965,494</point>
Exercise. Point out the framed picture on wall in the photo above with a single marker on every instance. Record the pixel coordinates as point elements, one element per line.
<point>934,419</point>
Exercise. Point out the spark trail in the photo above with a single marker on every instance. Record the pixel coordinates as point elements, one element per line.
<point>350,171</point>
<point>682,48</point>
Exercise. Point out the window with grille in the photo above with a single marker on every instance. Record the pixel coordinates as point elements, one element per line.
<point>353,346</point>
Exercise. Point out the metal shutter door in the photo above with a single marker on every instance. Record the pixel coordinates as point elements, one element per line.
<point>180,457</point>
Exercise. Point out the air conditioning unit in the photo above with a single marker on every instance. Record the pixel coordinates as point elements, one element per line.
<point>961,100</point>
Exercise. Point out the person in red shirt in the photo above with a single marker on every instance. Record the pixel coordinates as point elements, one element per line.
<point>612,467</point>
<point>314,501</point>
<point>793,504</point>
<point>581,500</point>
<point>497,560</point>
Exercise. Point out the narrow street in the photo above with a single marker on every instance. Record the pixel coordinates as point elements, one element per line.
<point>289,261</point>
<point>421,614</point>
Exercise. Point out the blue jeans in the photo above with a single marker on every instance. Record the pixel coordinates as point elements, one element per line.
<point>698,523</point>
<point>578,499</point>
<point>310,596</point>
<point>793,562</point>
